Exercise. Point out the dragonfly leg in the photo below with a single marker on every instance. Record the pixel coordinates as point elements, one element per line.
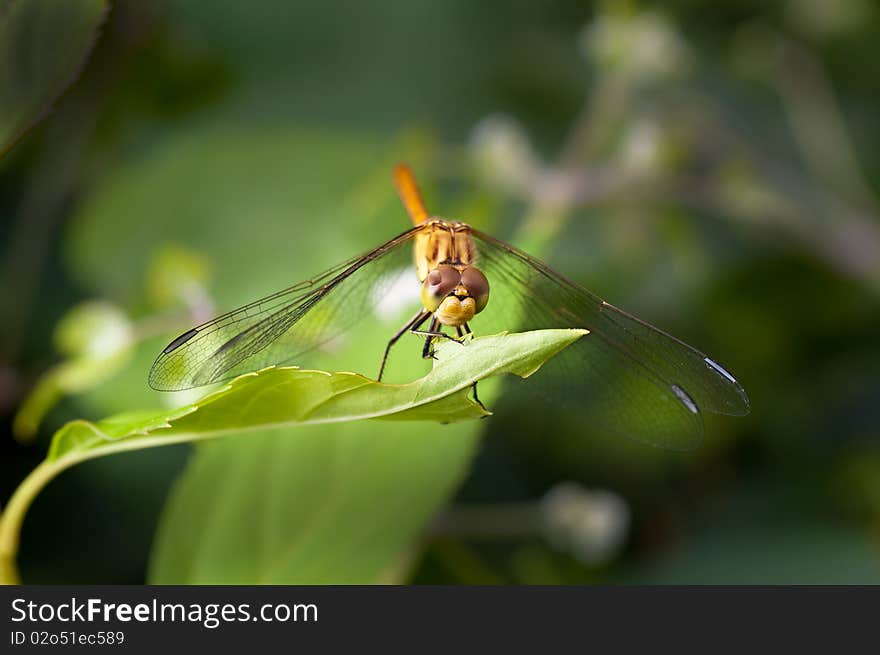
<point>435,333</point>
<point>435,330</point>
<point>413,323</point>
<point>463,330</point>
<point>429,334</point>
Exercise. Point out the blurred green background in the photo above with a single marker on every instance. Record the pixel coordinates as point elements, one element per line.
<point>710,166</point>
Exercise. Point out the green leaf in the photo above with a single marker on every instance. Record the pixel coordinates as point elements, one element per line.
<point>331,504</point>
<point>43,46</point>
<point>341,503</point>
<point>278,397</point>
<point>281,396</point>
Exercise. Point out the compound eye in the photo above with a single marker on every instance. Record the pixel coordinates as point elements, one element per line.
<point>439,284</point>
<point>477,285</point>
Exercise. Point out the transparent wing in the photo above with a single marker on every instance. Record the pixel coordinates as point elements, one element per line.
<point>284,325</point>
<point>629,377</point>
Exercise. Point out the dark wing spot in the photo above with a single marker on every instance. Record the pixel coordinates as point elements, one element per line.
<point>718,367</point>
<point>234,340</point>
<point>179,341</point>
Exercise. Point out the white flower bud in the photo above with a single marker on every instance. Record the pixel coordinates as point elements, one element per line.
<point>593,525</point>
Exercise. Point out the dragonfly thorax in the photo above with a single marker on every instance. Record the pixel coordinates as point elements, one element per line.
<point>455,293</point>
<point>440,241</point>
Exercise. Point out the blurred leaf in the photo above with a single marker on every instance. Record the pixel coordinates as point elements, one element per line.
<point>266,206</point>
<point>825,20</point>
<point>288,396</point>
<point>338,503</point>
<point>857,485</point>
<point>43,46</point>
<point>787,553</point>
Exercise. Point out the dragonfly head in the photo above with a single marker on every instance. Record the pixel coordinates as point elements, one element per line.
<point>455,294</point>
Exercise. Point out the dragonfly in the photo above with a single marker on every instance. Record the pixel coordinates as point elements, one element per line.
<point>627,377</point>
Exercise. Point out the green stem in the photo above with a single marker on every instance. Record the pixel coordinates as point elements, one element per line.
<point>14,513</point>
